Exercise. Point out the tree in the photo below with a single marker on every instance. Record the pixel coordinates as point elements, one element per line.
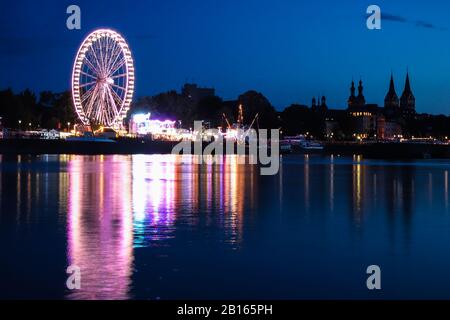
<point>209,109</point>
<point>165,105</point>
<point>255,103</point>
<point>296,119</point>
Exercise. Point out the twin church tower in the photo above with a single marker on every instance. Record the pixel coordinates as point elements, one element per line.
<point>406,105</point>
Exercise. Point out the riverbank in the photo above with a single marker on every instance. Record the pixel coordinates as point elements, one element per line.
<point>125,146</point>
<point>139,146</point>
<point>391,150</point>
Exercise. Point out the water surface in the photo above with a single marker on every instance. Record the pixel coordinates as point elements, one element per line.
<point>162,227</point>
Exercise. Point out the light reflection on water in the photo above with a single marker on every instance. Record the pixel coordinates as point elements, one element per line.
<point>145,226</point>
<point>119,203</point>
<point>100,227</point>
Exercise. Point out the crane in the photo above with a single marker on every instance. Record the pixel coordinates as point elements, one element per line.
<point>226,120</point>
<point>240,115</point>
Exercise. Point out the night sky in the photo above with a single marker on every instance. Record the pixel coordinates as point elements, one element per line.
<point>288,50</point>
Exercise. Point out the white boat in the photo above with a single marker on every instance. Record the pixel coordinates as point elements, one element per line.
<point>300,143</point>
<point>311,145</point>
<point>285,147</point>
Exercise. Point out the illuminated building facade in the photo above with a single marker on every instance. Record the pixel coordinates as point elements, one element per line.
<point>371,121</point>
<point>142,125</point>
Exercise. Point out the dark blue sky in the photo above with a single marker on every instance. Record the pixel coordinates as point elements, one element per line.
<point>288,50</point>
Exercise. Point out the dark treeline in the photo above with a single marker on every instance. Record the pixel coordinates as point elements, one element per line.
<point>210,109</point>
<point>54,110</point>
<point>294,119</point>
<point>426,125</point>
<point>49,110</point>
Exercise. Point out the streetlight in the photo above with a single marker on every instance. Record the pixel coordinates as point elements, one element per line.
<point>68,126</point>
<point>20,123</point>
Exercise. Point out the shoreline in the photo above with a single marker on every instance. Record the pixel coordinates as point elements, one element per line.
<point>376,150</point>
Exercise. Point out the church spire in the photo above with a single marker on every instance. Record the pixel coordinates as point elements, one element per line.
<point>407,84</point>
<point>352,98</point>
<point>360,88</point>
<point>391,100</point>
<point>391,85</point>
<point>407,100</point>
<point>360,100</point>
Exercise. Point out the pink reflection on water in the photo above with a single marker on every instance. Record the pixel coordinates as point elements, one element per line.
<point>100,226</point>
<point>117,203</point>
<point>154,198</point>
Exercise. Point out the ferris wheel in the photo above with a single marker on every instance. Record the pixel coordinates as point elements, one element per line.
<point>103,79</point>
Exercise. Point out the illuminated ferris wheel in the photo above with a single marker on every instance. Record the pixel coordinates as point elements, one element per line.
<point>103,79</point>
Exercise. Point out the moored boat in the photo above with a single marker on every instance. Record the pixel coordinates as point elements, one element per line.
<point>301,144</point>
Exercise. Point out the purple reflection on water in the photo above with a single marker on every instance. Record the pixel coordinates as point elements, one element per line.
<point>117,204</point>
<point>100,226</point>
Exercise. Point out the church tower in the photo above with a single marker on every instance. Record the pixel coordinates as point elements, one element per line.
<point>407,100</point>
<point>319,105</point>
<point>323,104</point>
<point>352,99</point>
<point>360,100</point>
<point>391,102</point>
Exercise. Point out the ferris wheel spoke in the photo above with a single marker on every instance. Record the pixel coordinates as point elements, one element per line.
<point>88,84</point>
<point>118,87</point>
<point>90,110</point>
<point>110,54</point>
<point>86,98</point>
<point>107,108</point>
<point>88,75</point>
<point>115,56</point>
<point>102,59</point>
<point>94,54</point>
<point>118,65</point>
<point>90,103</point>
<point>113,95</point>
<point>87,94</point>
<point>105,51</point>
<point>91,66</point>
<point>104,54</point>
<point>114,110</point>
<point>117,98</point>
<point>119,76</point>
<point>99,107</point>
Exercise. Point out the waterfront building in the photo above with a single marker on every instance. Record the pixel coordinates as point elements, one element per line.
<point>369,120</point>
<point>387,130</point>
<point>363,115</point>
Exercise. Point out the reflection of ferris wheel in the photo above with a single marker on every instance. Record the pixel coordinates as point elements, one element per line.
<point>103,79</point>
